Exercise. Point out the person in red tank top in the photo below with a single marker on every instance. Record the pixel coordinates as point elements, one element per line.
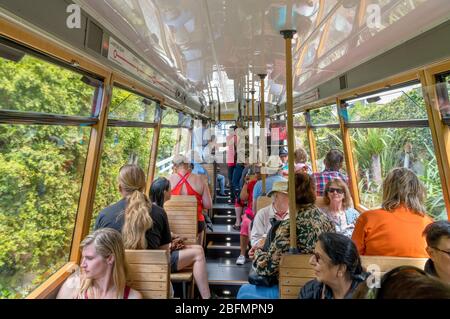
<point>183,182</point>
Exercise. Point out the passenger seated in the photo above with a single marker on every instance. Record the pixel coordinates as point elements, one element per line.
<point>405,282</point>
<point>103,272</point>
<point>279,210</point>
<point>310,223</point>
<point>340,207</point>
<point>190,255</point>
<point>438,247</point>
<point>337,267</point>
<point>247,196</point>
<point>396,229</point>
<point>183,182</point>
<point>273,169</point>
<point>301,157</point>
<point>144,225</point>
<point>284,159</point>
<point>333,163</point>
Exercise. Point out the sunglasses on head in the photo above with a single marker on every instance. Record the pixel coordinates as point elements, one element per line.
<point>337,190</point>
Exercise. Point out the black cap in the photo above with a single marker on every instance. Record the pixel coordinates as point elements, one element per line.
<point>283,152</point>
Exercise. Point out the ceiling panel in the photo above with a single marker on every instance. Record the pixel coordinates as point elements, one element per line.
<point>189,40</point>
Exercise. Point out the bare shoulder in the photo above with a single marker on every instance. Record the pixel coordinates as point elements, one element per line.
<point>69,288</point>
<point>134,294</point>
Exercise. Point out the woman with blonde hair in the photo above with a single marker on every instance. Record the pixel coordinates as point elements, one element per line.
<point>145,225</point>
<point>133,215</point>
<point>396,228</point>
<point>339,206</point>
<point>103,270</point>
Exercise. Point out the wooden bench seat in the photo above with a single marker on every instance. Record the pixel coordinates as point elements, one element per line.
<point>295,270</point>
<point>148,272</point>
<point>182,214</point>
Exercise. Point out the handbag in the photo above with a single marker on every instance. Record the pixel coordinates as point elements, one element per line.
<point>253,277</point>
<point>177,244</point>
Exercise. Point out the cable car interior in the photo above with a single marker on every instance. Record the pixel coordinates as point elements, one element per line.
<point>88,86</point>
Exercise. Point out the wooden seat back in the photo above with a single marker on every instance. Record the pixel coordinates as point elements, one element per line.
<point>149,272</point>
<point>182,214</point>
<point>383,264</point>
<point>295,270</point>
<point>263,201</point>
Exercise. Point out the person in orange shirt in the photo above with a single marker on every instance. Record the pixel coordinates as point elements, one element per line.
<point>396,229</point>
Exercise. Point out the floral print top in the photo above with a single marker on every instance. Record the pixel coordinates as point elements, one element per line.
<point>311,222</point>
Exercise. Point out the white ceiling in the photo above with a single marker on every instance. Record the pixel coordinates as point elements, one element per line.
<point>188,39</point>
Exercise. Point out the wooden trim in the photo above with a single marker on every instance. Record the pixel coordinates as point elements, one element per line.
<point>153,157</point>
<point>312,147</point>
<point>354,93</point>
<point>52,283</point>
<point>91,173</point>
<point>30,38</point>
<point>384,84</point>
<point>315,105</point>
<point>19,117</point>
<point>362,12</point>
<point>437,68</point>
<point>361,209</point>
<point>134,85</point>
<point>389,124</point>
<point>348,154</point>
<point>323,39</point>
<point>440,133</point>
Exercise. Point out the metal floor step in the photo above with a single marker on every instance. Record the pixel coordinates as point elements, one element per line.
<point>223,200</point>
<point>224,219</point>
<point>222,230</point>
<point>224,271</point>
<point>229,206</point>
<point>222,249</point>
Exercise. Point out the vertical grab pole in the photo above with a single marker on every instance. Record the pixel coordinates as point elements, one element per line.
<point>253,152</point>
<point>262,136</point>
<point>288,35</point>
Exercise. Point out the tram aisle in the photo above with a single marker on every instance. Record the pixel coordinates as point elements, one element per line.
<point>225,277</point>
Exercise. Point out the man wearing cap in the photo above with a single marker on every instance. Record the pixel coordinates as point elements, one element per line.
<point>284,160</point>
<point>279,210</point>
<point>273,170</point>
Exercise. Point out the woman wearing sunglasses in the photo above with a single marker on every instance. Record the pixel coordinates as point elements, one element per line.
<point>340,207</point>
<point>337,268</point>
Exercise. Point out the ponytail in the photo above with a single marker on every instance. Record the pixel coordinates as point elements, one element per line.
<point>137,221</point>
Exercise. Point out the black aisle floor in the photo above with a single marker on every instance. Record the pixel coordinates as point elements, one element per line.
<point>225,277</point>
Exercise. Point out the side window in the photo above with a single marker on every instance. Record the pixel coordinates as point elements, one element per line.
<point>127,141</point>
<point>380,144</point>
<point>41,166</point>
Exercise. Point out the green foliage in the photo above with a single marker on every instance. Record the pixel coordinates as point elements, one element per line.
<point>392,146</point>
<point>42,167</point>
